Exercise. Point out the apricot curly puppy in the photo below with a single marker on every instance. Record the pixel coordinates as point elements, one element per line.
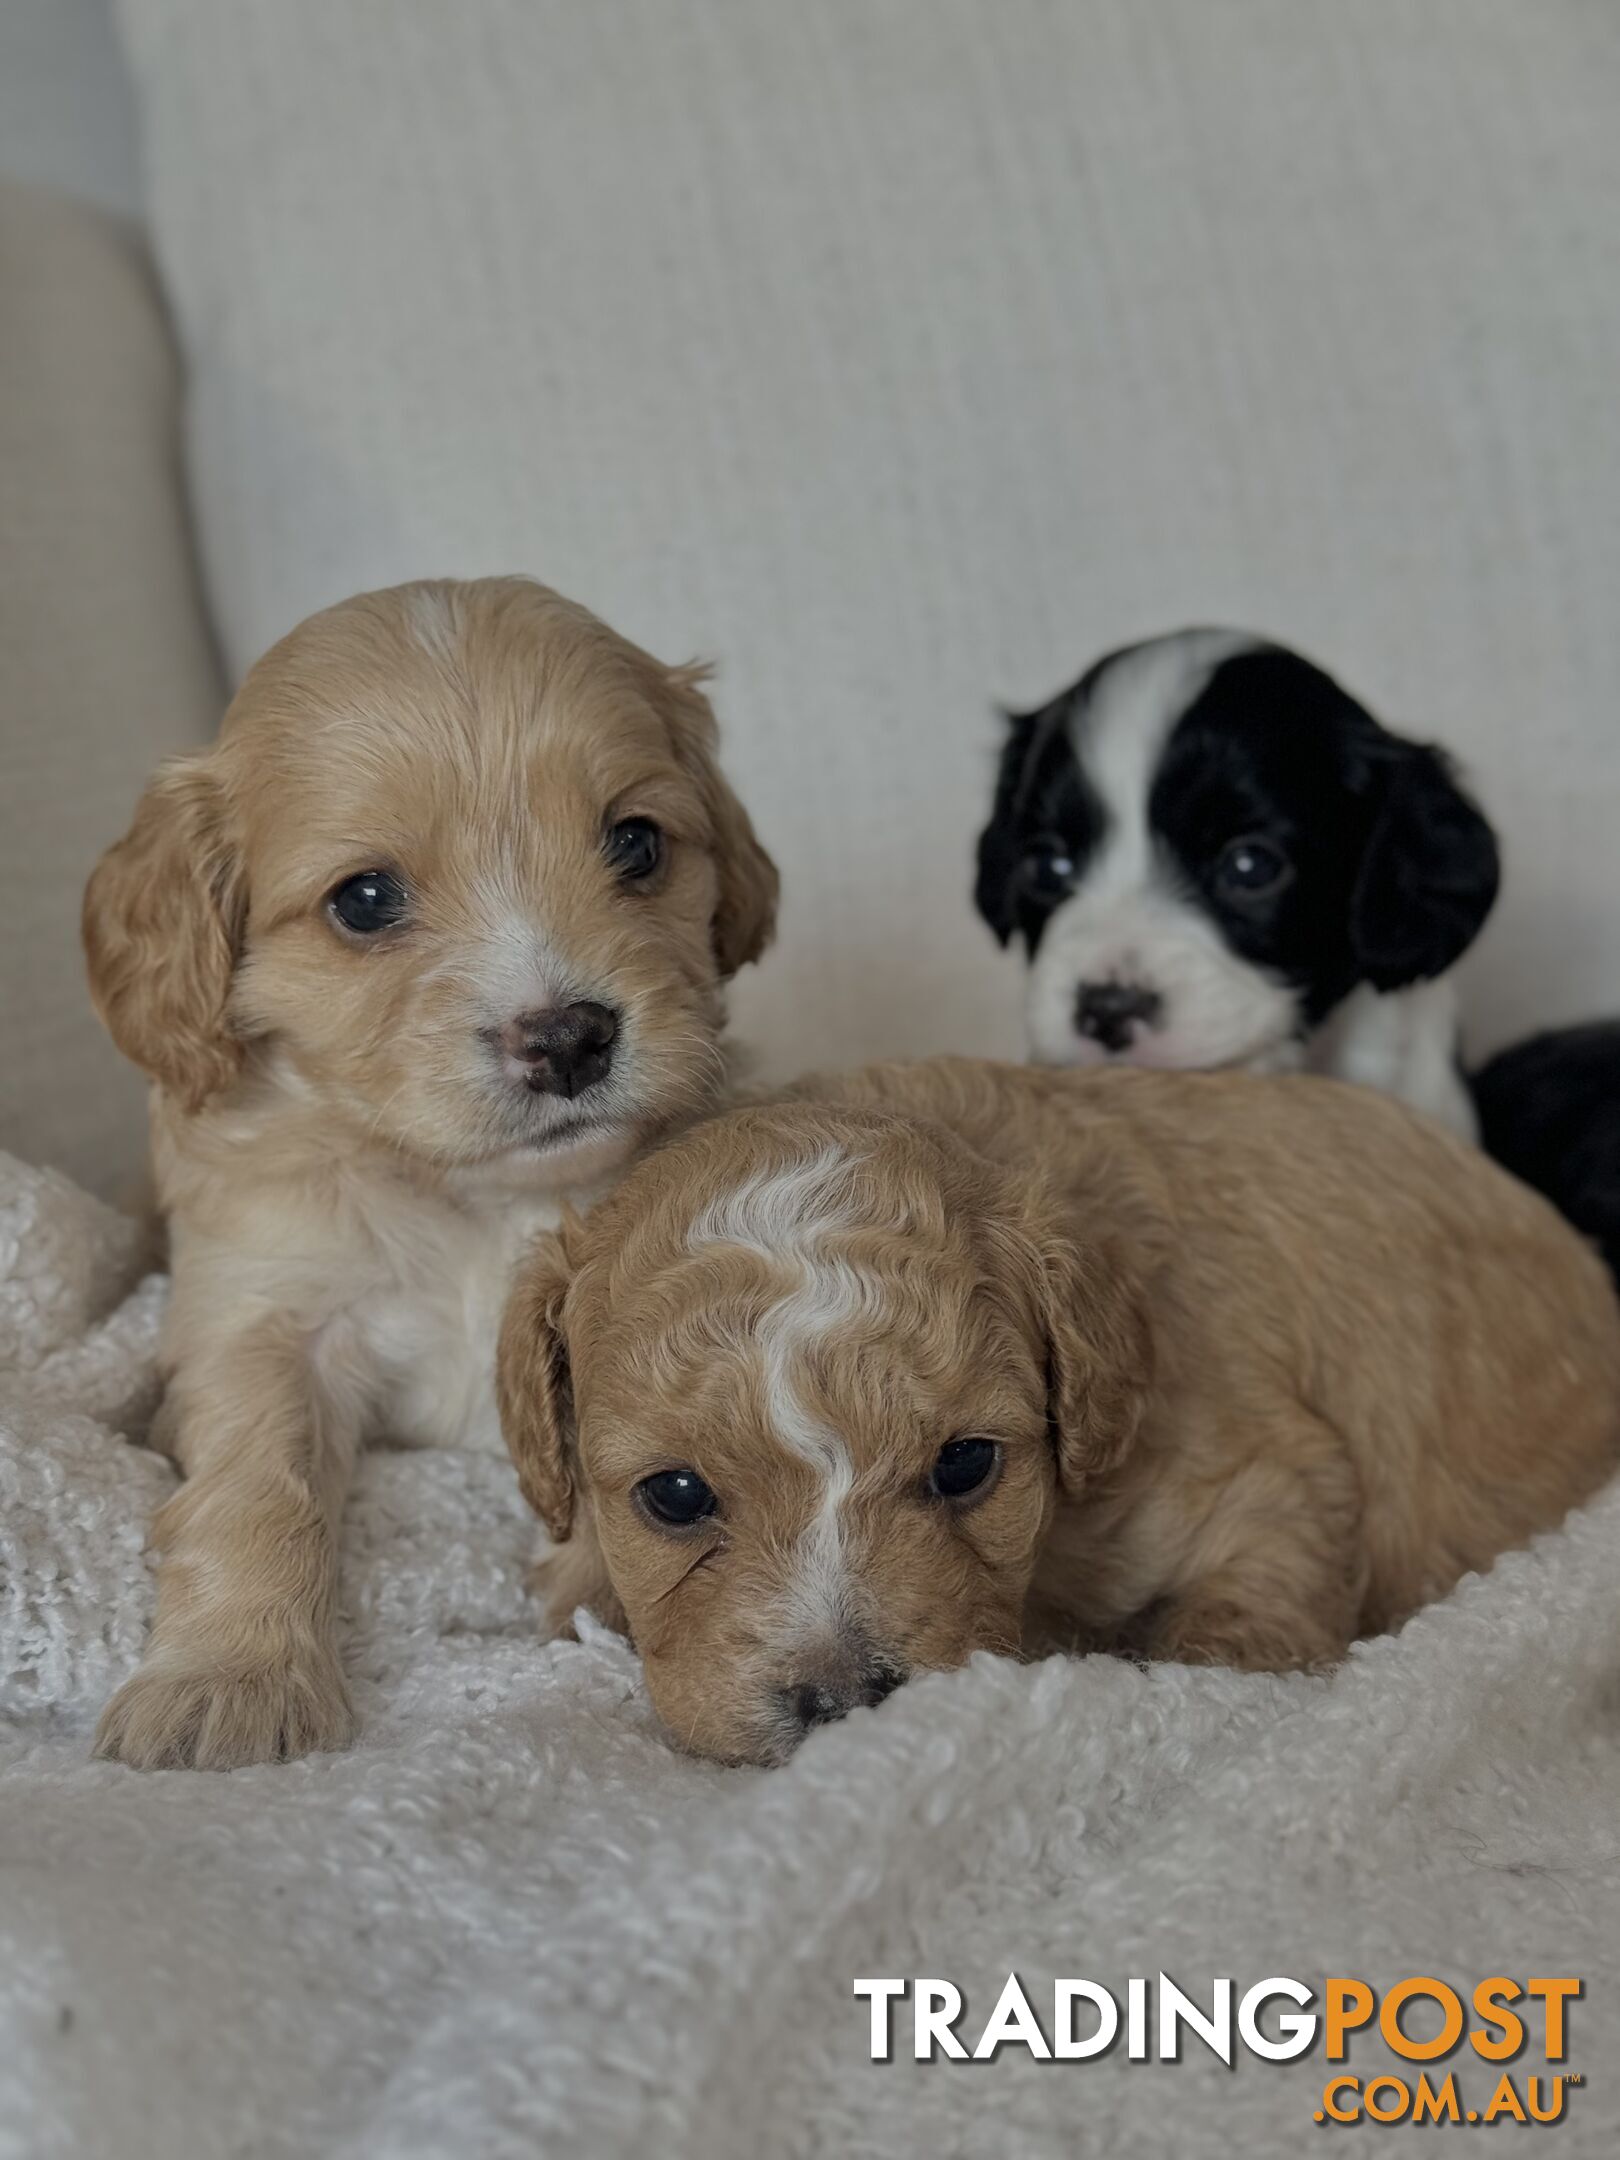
<point>432,938</point>
<point>950,1356</point>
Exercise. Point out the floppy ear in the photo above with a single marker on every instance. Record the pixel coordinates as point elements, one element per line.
<point>1428,877</point>
<point>163,917</point>
<point>1099,1356</point>
<point>745,917</point>
<point>1000,843</point>
<point>1092,1300</point>
<point>532,1386</point>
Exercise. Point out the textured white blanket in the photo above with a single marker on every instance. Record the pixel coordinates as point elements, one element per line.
<point>512,1921</point>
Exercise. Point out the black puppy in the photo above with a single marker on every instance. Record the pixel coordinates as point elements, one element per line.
<point>1215,856</point>
<point>1549,1111</point>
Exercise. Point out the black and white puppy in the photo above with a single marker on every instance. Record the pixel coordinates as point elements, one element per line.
<point>1216,857</point>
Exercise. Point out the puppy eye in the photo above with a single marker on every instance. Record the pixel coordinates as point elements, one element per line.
<point>677,1498</point>
<point>1048,869</point>
<point>373,901</point>
<point>963,1467</point>
<point>1252,869</point>
<point>635,847</point>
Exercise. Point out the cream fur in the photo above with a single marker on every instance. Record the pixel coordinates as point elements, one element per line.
<point>1266,1364</point>
<point>349,1161</point>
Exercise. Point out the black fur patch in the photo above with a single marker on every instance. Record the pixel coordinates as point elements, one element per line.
<point>1549,1111</point>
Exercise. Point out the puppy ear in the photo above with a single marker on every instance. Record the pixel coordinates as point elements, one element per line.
<point>163,917</point>
<point>1099,1356</point>
<point>1091,1299</point>
<point>745,918</point>
<point>532,1385</point>
<point>995,892</point>
<point>1428,877</point>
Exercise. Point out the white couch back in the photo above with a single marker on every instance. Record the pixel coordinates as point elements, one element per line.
<point>903,356</point>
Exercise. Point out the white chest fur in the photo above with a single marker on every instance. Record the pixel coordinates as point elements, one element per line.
<point>377,1287</point>
<point>1403,1042</point>
<point>428,1325</point>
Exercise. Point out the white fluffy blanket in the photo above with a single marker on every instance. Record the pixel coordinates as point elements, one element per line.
<point>513,1921</point>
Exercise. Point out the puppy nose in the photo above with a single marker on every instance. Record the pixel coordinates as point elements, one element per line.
<point>567,1048</point>
<point>1112,1012</point>
<point>821,1702</point>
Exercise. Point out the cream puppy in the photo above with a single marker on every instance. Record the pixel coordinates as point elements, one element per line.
<point>432,938</point>
<point>957,1356</point>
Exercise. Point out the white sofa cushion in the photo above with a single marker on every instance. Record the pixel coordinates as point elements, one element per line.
<point>67,119</point>
<point>902,357</point>
<point>105,658</point>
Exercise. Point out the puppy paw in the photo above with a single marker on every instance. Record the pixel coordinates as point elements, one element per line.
<point>569,1576</point>
<point>180,1713</point>
<point>1222,1634</point>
